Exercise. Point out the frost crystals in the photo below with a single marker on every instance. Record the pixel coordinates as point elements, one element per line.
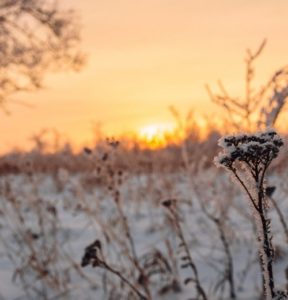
<point>253,153</point>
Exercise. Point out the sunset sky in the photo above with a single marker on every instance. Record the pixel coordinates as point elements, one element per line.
<point>144,56</point>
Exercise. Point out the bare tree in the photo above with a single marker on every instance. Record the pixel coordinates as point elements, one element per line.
<point>260,107</point>
<point>35,36</point>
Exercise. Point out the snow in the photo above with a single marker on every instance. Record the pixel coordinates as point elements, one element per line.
<point>84,215</point>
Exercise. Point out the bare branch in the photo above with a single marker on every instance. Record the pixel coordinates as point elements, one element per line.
<point>36,36</point>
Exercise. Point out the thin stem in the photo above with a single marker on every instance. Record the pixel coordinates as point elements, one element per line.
<point>229,258</point>
<point>199,288</point>
<point>132,246</point>
<point>229,268</point>
<point>245,188</point>
<point>117,273</point>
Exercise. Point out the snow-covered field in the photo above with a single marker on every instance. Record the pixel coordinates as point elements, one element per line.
<point>46,222</point>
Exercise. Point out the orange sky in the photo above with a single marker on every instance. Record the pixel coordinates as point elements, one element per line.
<point>146,55</point>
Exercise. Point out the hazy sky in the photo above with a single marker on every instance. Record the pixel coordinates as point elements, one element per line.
<point>146,55</point>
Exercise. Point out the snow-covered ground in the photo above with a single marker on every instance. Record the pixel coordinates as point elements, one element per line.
<point>47,221</point>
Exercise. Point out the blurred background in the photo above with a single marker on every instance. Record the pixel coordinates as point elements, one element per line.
<point>141,58</point>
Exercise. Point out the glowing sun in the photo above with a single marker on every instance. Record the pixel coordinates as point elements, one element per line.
<point>155,135</point>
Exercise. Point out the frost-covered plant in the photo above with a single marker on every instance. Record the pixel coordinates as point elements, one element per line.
<point>247,157</point>
<point>93,256</point>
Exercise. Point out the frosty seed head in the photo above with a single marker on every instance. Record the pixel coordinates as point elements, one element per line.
<point>91,255</point>
<point>254,149</point>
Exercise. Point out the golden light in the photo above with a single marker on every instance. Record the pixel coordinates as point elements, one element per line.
<point>155,136</point>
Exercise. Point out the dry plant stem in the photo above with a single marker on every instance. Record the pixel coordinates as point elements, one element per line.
<point>79,271</point>
<point>229,268</point>
<point>117,273</point>
<point>250,102</point>
<point>253,221</point>
<point>102,264</point>
<point>266,257</point>
<point>118,202</point>
<point>37,264</point>
<point>135,259</point>
<point>265,102</point>
<point>255,152</point>
<point>199,288</point>
<point>93,256</point>
<point>219,223</point>
<point>173,260</point>
<point>267,246</point>
<point>192,265</point>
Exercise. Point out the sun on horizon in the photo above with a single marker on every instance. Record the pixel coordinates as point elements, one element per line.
<point>155,135</point>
